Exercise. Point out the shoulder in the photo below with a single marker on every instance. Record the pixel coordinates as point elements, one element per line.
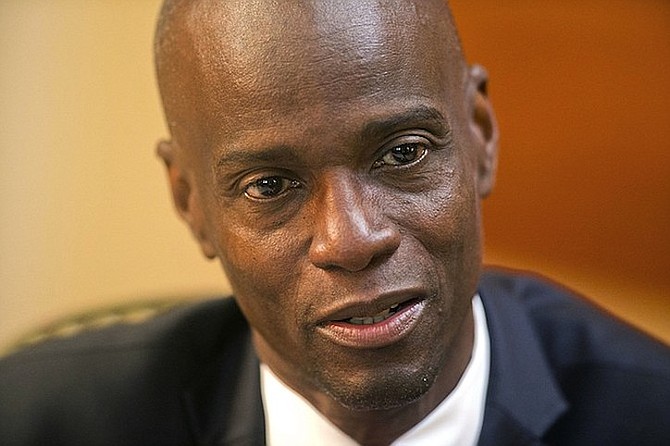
<point>572,329</point>
<point>615,379</point>
<point>95,379</point>
<point>187,327</point>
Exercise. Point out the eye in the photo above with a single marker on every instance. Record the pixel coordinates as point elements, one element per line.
<point>266,188</point>
<point>402,155</point>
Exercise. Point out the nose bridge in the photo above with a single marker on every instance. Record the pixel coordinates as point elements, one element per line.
<point>350,229</point>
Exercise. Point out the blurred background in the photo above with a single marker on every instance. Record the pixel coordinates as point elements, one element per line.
<point>583,195</point>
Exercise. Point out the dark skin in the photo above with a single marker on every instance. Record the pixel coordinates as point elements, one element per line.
<point>333,155</point>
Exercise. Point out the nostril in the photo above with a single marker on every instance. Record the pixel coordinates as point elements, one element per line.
<point>350,227</point>
<point>354,251</point>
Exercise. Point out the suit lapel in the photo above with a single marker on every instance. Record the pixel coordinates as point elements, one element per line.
<point>523,399</point>
<point>223,403</point>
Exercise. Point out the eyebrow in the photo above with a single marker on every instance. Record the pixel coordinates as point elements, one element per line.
<point>422,116</point>
<point>267,155</point>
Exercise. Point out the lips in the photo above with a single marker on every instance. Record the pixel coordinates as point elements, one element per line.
<point>365,326</point>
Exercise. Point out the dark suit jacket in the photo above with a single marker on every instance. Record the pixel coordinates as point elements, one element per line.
<point>561,373</point>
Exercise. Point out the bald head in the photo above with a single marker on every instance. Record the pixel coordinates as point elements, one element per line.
<point>247,49</point>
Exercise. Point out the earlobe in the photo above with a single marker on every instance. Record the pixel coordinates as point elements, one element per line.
<point>185,196</point>
<point>484,127</point>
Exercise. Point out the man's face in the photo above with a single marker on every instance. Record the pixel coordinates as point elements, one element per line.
<point>333,165</point>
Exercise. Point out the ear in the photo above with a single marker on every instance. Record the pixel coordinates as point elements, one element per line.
<point>484,128</point>
<point>185,195</point>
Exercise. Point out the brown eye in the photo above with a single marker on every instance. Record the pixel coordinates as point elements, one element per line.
<point>401,155</point>
<point>269,187</point>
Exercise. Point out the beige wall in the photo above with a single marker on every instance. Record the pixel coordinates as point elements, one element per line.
<point>86,219</point>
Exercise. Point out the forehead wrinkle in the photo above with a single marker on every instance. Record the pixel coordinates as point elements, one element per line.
<point>239,154</point>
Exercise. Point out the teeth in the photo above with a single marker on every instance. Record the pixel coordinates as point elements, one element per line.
<point>369,320</point>
<point>361,321</point>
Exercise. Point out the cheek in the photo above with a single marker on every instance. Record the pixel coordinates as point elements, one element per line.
<point>264,273</point>
<point>448,214</point>
<point>261,268</point>
<point>444,222</point>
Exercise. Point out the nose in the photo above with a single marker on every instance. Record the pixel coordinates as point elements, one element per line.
<point>350,230</point>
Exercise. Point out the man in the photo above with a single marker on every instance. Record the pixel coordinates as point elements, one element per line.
<point>332,155</point>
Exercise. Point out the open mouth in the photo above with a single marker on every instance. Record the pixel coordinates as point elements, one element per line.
<point>376,318</point>
<point>378,329</point>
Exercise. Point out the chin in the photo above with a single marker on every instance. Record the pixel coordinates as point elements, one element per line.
<point>391,390</point>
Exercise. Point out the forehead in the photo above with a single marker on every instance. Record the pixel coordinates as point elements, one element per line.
<point>246,65</point>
